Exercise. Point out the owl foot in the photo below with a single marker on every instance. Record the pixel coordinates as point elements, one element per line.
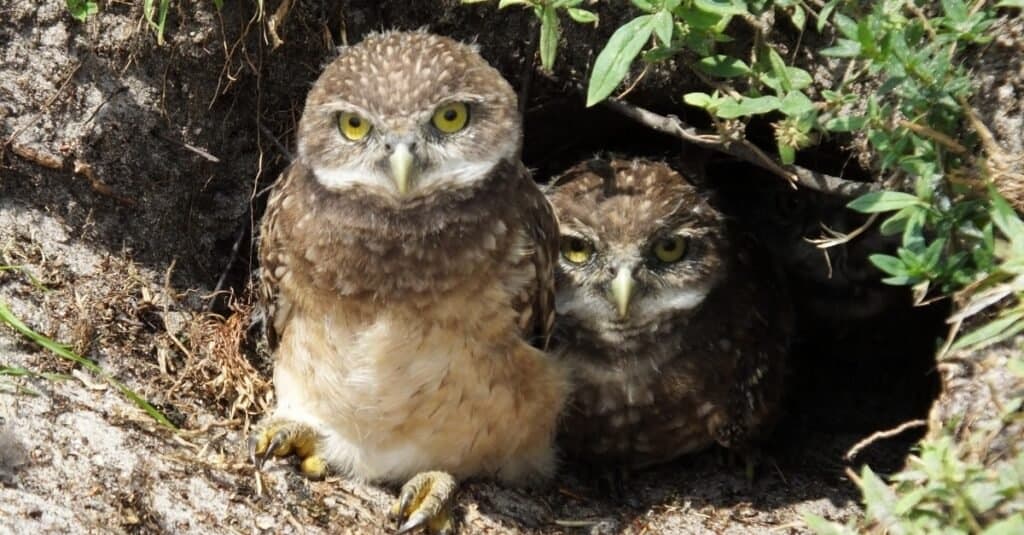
<point>749,458</point>
<point>426,500</point>
<point>280,438</point>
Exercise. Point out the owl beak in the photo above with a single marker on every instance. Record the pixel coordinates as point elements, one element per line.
<point>401,161</point>
<point>623,288</point>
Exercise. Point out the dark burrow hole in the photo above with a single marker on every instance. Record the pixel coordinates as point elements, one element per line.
<point>863,356</point>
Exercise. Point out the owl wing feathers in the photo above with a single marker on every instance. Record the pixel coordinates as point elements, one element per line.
<point>275,308</point>
<point>536,303</point>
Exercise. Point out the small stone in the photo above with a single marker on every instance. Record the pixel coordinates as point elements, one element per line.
<point>265,522</point>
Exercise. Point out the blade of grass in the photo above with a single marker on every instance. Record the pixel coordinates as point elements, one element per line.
<point>36,283</point>
<point>65,352</point>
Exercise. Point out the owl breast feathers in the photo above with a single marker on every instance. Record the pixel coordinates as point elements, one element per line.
<point>675,336</point>
<point>407,261</point>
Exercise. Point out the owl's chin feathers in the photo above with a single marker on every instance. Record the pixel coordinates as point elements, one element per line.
<point>646,313</point>
<point>449,175</point>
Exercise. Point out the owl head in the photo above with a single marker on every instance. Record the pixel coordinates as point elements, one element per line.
<point>639,245</point>
<point>403,114</point>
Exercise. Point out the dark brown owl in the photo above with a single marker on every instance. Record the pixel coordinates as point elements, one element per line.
<point>407,262</point>
<point>676,339</point>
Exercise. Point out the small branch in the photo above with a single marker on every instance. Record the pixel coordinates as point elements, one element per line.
<point>743,150</point>
<point>889,433</point>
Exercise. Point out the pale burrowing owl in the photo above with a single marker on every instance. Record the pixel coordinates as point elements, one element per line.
<point>676,339</point>
<point>407,261</point>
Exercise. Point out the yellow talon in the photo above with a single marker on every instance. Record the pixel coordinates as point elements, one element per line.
<point>426,500</point>
<point>279,438</point>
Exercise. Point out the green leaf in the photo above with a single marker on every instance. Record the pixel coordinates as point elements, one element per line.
<point>1011,3</point>
<point>787,154</point>
<point>998,329</point>
<point>219,4</point>
<point>746,106</point>
<point>889,264</point>
<point>844,48</point>
<point>824,14</point>
<point>549,33</point>
<point>700,20</point>
<point>846,25</point>
<point>613,62</point>
<point>1006,219</point>
<point>663,26</point>
<point>955,10</point>
<point>721,7</point>
<point>799,17</point>
<point>909,500</point>
<point>644,5</point>
<point>156,17</point>
<point>700,100</point>
<point>796,103</point>
<point>582,16</point>
<point>883,201</point>
<point>897,222</point>
<point>723,66</point>
<point>779,70</point>
<point>1012,525</point>
<point>845,124</point>
<point>658,54</point>
<point>502,4</point>
<point>82,9</point>
<point>877,495</point>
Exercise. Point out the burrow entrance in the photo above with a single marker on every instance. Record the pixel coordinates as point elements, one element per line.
<point>863,357</point>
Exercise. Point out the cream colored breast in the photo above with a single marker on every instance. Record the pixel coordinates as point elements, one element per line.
<point>400,389</point>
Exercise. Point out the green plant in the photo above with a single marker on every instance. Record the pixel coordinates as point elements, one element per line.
<point>155,13</point>
<point>82,9</point>
<point>940,491</point>
<point>63,351</point>
<point>547,11</point>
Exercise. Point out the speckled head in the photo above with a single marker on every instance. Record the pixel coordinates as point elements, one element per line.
<point>638,244</point>
<point>404,114</point>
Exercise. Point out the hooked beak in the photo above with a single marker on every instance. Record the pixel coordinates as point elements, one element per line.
<point>623,287</point>
<point>401,161</point>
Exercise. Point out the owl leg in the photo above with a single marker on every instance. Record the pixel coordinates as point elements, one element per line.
<point>280,438</point>
<point>426,500</point>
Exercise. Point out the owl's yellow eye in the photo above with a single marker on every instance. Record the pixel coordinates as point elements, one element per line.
<point>353,126</point>
<point>576,250</point>
<point>451,118</point>
<point>670,250</point>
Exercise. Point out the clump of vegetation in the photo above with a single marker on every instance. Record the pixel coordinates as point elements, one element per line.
<point>63,351</point>
<point>961,239</point>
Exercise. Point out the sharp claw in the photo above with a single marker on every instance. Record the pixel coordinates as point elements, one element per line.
<point>275,442</point>
<point>418,519</point>
<point>404,501</point>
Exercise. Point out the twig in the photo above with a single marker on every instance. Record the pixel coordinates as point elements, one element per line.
<point>633,85</point>
<point>274,141</point>
<point>84,169</point>
<point>934,135</point>
<point>879,435</point>
<point>744,150</point>
<point>201,152</point>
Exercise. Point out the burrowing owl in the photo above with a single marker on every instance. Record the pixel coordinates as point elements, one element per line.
<point>407,260</point>
<point>675,338</point>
